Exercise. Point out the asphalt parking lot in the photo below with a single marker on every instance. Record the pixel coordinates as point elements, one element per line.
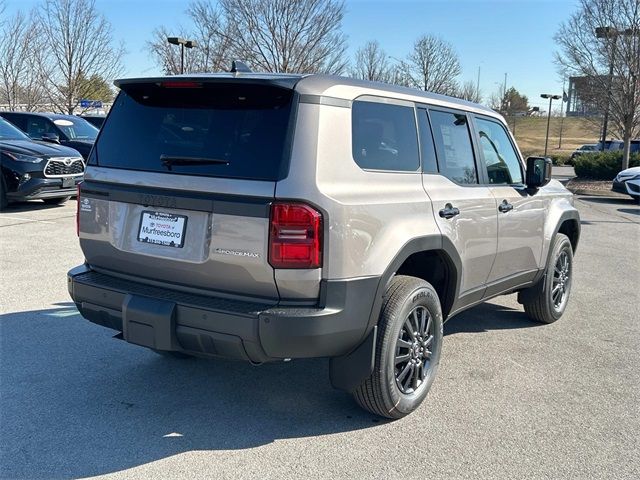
<point>512,399</point>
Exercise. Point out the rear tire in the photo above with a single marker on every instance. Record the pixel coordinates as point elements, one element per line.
<point>56,201</point>
<point>551,298</point>
<point>407,349</point>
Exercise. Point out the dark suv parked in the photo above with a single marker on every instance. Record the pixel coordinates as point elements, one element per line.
<point>67,130</point>
<point>34,170</point>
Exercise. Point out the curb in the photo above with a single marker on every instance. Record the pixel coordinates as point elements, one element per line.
<point>595,193</point>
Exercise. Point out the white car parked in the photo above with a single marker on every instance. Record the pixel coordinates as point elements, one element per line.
<point>628,182</point>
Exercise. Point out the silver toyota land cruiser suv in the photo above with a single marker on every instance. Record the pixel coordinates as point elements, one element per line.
<point>267,217</point>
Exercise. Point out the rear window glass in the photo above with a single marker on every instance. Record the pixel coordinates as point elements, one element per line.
<point>219,130</point>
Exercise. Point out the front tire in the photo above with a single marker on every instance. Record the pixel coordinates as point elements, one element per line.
<point>407,349</point>
<point>551,298</point>
<point>56,201</point>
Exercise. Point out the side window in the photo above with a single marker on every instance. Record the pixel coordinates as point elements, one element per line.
<point>17,120</point>
<point>384,137</point>
<point>53,128</point>
<point>453,146</point>
<point>37,126</point>
<point>500,158</point>
<point>427,148</point>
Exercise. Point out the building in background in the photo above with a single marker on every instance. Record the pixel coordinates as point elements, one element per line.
<point>582,91</point>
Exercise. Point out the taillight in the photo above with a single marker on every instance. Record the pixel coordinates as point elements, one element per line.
<point>78,212</point>
<point>295,236</point>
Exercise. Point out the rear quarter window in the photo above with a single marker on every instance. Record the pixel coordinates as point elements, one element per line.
<point>384,137</point>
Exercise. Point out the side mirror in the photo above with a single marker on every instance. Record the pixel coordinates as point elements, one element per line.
<point>50,137</point>
<point>538,171</point>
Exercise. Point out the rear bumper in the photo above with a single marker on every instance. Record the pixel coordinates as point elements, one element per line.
<point>166,319</point>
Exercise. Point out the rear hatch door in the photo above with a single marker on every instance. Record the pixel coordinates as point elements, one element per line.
<point>180,182</point>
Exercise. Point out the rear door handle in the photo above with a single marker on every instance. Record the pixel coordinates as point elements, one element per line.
<point>449,211</point>
<point>505,207</point>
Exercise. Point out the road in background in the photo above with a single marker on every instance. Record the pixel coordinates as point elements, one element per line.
<point>563,173</point>
<point>512,399</point>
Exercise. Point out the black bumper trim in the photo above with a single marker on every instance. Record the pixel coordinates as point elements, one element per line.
<point>619,187</point>
<point>38,188</point>
<point>166,319</point>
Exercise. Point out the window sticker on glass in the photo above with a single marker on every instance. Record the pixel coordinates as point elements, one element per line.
<point>63,123</point>
<point>453,147</point>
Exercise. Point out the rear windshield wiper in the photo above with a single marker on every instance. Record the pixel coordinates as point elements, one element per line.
<point>169,160</point>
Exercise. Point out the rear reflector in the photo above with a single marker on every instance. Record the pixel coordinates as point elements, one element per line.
<point>78,211</point>
<point>295,236</point>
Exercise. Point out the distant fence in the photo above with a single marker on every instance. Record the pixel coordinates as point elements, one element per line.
<point>50,107</point>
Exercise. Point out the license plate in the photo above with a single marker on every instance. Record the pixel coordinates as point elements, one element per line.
<point>68,182</point>
<point>162,228</point>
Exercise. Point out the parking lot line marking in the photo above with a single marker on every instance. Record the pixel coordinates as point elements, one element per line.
<point>12,217</point>
<point>63,313</point>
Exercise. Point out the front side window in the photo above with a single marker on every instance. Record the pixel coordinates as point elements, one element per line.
<point>453,146</point>
<point>500,158</point>
<point>384,137</point>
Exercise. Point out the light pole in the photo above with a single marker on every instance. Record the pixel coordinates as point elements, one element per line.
<point>551,99</point>
<point>183,43</point>
<point>564,99</point>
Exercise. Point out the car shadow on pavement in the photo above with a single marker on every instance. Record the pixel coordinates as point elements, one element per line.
<point>608,200</point>
<point>632,211</point>
<point>34,205</point>
<point>75,402</point>
<point>486,317</point>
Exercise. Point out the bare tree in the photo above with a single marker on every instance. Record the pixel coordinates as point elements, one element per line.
<point>611,63</point>
<point>372,63</point>
<point>433,66</point>
<point>287,35</point>
<point>77,45</point>
<point>20,84</point>
<point>208,30</point>
<point>210,33</point>
<point>470,92</point>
